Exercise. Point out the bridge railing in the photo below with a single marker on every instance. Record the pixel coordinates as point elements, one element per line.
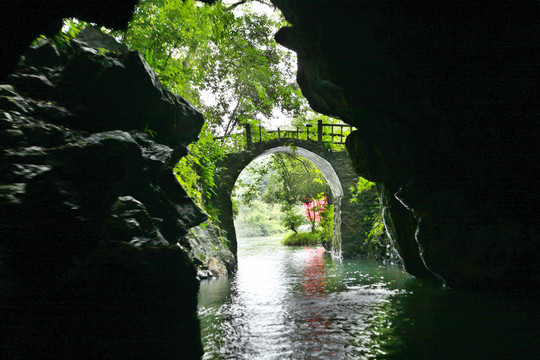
<point>332,134</point>
<point>233,142</point>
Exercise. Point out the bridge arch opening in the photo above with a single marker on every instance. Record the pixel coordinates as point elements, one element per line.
<point>330,176</point>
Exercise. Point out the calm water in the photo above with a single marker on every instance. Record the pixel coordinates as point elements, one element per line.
<point>299,303</point>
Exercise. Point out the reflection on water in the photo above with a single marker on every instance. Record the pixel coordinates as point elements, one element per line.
<point>287,303</point>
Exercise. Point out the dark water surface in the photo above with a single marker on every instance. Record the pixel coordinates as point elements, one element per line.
<point>299,303</point>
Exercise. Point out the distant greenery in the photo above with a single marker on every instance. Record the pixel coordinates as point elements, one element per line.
<point>323,235</point>
<point>224,59</point>
<point>302,239</point>
<point>283,180</point>
<point>258,219</point>
<point>255,214</point>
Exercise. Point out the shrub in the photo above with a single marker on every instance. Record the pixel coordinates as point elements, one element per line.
<point>302,239</point>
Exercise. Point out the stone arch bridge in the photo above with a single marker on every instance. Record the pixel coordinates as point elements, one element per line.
<point>334,165</point>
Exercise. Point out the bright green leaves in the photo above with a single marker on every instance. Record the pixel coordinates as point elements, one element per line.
<point>285,180</point>
<point>172,34</point>
<point>195,172</point>
<point>295,180</point>
<point>362,186</point>
<point>224,61</point>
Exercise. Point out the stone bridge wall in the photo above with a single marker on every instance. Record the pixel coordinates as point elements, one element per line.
<point>229,169</point>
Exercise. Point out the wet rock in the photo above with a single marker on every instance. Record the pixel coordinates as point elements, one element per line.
<point>204,274</point>
<point>24,172</point>
<point>37,86</point>
<point>7,90</point>
<point>46,135</point>
<point>12,193</point>
<point>401,226</point>
<point>93,40</point>
<point>207,243</point>
<point>130,222</point>
<point>13,103</point>
<point>215,268</point>
<point>11,137</point>
<point>155,154</point>
<point>90,74</point>
<point>31,154</point>
<point>94,80</point>
<point>25,20</point>
<point>50,112</point>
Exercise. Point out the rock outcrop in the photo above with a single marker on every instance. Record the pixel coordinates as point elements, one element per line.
<point>208,246</point>
<point>24,20</point>
<point>444,100</point>
<point>94,259</point>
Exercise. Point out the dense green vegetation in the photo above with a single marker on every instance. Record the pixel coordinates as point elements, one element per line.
<point>322,235</point>
<point>256,212</point>
<point>375,242</point>
<point>223,59</point>
<point>283,181</point>
<point>258,219</point>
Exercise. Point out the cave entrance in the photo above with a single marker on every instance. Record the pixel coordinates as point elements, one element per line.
<point>329,185</point>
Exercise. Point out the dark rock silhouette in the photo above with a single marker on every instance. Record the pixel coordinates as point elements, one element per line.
<point>91,214</point>
<point>23,21</point>
<point>444,97</point>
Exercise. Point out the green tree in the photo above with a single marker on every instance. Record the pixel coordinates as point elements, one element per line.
<point>224,60</point>
<point>292,219</point>
<point>286,180</point>
<point>294,180</point>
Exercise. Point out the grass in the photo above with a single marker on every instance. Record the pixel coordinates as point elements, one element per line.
<point>302,239</point>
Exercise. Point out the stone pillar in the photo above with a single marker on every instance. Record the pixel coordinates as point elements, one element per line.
<point>249,140</point>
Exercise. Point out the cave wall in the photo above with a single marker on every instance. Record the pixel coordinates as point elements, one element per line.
<point>443,97</point>
<point>94,258</point>
<point>24,20</point>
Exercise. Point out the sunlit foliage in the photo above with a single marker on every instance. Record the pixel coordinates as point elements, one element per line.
<point>286,180</point>
<point>223,60</point>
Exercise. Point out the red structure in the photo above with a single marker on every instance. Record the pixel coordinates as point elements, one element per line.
<point>314,209</point>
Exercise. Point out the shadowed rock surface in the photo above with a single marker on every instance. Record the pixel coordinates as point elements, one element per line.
<point>95,262</point>
<point>444,97</point>
<point>23,21</point>
<point>445,100</point>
